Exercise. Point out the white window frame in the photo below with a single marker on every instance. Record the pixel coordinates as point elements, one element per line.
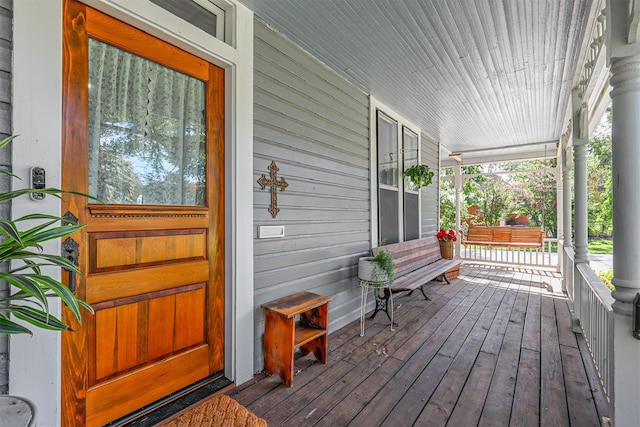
<point>374,107</point>
<point>220,16</point>
<point>223,10</point>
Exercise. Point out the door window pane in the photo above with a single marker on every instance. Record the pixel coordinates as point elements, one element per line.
<point>146,131</point>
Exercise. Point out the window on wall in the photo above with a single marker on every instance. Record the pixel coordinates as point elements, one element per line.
<point>398,205</point>
<point>387,151</point>
<point>411,224</point>
<point>409,155</point>
<point>204,14</point>
<point>388,178</point>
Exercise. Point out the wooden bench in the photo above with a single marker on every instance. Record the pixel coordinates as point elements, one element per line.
<point>510,237</point>
<point>417,262</point>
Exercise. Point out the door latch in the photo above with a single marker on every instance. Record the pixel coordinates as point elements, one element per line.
<point>70,251</point>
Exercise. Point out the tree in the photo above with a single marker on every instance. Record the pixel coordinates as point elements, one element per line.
<point>599,180</point>
<point>499,194</point>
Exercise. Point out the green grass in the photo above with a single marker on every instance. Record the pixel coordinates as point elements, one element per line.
<point>600,247</point>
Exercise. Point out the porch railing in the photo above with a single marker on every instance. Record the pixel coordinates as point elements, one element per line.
<point>568,264</point>
<point>545,257</point>
<point>592,303</point>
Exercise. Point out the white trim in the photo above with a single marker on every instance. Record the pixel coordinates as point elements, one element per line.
<point>35,362</point>
<point>220,16</point>
<point>37,75</point>
<point>161,23</point>
<point>373,169</point>
<point>240,218</point>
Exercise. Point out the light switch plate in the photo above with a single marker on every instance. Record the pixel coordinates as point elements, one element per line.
<point>270,231</point>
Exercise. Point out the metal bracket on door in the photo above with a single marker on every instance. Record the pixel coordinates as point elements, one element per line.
<point>69,219</point>
<point>70,251</point>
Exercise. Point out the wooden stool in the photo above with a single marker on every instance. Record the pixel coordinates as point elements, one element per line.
<point>283,334</point>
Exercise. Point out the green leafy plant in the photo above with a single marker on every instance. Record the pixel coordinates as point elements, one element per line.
<point>21,249</point>
<point>419,175</point>
<point>606,277</point>
<point>383,266</point>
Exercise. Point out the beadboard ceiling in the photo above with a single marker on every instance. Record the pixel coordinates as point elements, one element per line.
<point>473,74</point>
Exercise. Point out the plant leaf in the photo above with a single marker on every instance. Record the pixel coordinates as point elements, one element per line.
<point>24,283</point>
<point>55,192</point>
<point>9,229</point>
<point>53,233</point>
<point>64,293</point>
<point>9,327</point>
<point>38,318</point>
<point>4,142</point>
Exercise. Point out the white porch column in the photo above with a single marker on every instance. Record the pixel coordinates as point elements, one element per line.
<point>559,232</point>
<point>564,207</point>
<point>567,226</point>
<point>580,139</point>
<point>624,51</point>
<point>559,196</point>
<point>457,183</point>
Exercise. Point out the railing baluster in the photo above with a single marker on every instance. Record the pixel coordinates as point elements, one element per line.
<point>539,257</point>
<point>595,320</point>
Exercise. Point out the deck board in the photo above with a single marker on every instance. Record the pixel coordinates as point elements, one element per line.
<point>493,348</point>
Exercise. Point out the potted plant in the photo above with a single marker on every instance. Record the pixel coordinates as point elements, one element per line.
<point>26,305</point>
<point>22,249</point>
<point>446,239</point>
<point>419,175</point>
<point>377,269</point>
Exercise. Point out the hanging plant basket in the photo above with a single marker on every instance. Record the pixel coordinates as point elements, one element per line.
<point>419,175</point>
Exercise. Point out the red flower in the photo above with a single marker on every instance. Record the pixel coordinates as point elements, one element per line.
<point>446,236</point>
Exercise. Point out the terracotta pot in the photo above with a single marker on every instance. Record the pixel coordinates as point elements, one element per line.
<point>446,249</point>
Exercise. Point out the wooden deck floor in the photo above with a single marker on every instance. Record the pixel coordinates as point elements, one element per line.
<point>494,348</point>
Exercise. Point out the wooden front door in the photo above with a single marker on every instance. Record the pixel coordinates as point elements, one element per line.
<point>143,129</point>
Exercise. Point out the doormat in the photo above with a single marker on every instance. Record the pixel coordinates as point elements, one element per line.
<point>216,411</point>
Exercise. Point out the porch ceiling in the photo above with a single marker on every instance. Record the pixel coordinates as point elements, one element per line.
<point>476,75</point>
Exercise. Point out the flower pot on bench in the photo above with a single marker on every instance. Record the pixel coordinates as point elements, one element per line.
<point>446,249</point>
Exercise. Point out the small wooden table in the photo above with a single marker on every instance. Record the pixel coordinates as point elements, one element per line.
<point>295,321</point>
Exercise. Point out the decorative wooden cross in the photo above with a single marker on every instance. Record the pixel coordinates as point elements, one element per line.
<point>274,184</point>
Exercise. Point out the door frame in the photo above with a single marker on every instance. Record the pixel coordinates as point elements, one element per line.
<point>36,115</point>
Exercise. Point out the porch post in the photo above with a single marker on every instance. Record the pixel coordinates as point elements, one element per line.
<point>580,138</point>
<point>565,169</point>
<point>559,232</point>
<point>580,141</point>
<point>559,196</point>
<point>624,52</point>
<point>457,183</point>
<point>566,194</point>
